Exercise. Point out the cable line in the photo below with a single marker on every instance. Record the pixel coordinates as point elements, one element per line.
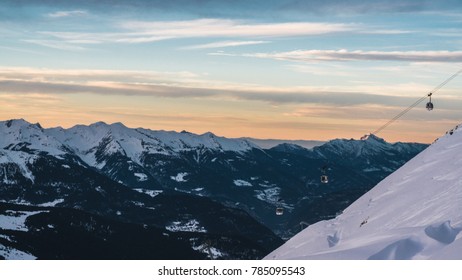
<point>416,103</point>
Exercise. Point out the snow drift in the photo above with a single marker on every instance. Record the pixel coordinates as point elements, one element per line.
<point>415,213</point>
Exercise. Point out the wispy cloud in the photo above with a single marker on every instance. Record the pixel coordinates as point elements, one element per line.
<point>234,28</point>
<point>224,44</point>
<point>356,6</point>
<point>151,31</point>
<point>20,50</point>
<point>382,31</point>
<point>81,38</point>
<point>448,32</point>
<point>187,86</point>
<point>135,32</point>
<point>56,44</point>
<point>357,55</point>
<point>63,14</point>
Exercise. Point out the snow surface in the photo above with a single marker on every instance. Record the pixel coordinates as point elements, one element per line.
<point>21,159</point>
<point>15,220</point>
<point>13,254</point>
<point>52,203</point>
<point>212,252</point>
<point>180,177</point>
<point>415,213</point>
<point>152,193</point>
<point>190,226</point>
<point>242,183</point>
<point>270,194</point>
<point>141,177</point>
<point>32,136</point>
<point>21,142</point>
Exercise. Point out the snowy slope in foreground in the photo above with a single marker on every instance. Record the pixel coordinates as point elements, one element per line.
<point>415,213</point>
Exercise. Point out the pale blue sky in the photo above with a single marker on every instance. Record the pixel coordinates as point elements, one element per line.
<point>267,69</point>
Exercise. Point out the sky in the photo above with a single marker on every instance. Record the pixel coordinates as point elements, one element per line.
<point>287,69</point>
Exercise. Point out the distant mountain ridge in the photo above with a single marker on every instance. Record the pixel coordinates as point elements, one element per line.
<point>271,143</point>
<point>132,174</point>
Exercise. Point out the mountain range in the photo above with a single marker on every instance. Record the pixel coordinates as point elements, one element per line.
<point>214,195</point>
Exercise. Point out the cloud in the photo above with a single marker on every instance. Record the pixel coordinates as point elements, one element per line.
<point>381,31</point>
<point>20,50</point>
<point>151,31</point>
<point>245,8</point>
<point>186,85</point>
<point>182,85</point>
<point>357,55</point>
<point>356,6</point>
<point>62,14</point>
<point>136,32</point>
<point>224,44</point>
<point>173,118</point>
<point>76,39</point>
<point>56,44</point>
<point>234,28</point>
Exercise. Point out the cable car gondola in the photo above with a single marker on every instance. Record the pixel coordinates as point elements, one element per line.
<point>429,105</point>
<point>279,208</point>
<point>324,177</point>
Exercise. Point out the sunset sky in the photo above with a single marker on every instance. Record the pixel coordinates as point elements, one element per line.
<point>287,69</point>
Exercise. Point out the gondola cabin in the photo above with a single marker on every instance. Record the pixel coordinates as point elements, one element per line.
<point>279,211</point>
<point>324,179</point>
<point>429,106</point>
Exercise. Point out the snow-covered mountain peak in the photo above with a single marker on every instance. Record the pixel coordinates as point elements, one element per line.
<point>21,143</point>
<point>186,141</point>
<point>350,146</point>
<point>118,125</point>
<point>18,124</point>
<point>115,127</point>
<point>98,124</point>
<point>374,139</point>
<point>208,134</point>
<point>111,139</point>
<point>415,213</point>
<point>289,147</point>
<point>29,136</point>
<point>368,146</point>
